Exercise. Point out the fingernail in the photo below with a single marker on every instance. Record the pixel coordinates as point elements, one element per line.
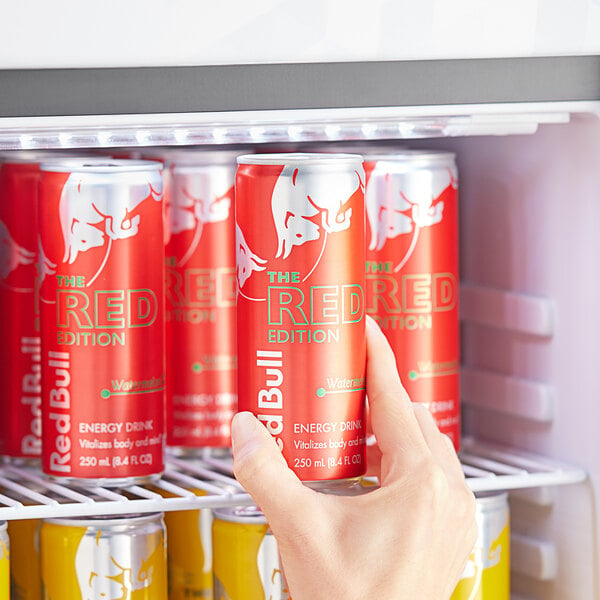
<point>243,433</point>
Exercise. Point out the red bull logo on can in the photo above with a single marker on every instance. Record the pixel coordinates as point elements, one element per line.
<point>92,219</point>
<point>112,571</point>
<point>399,206</point>
<point>115,559</point>
<point>313,207</point>
<point>195,206</point>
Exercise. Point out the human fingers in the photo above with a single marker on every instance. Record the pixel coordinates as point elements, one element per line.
<point>394,423</point>
<point>439,444</point>
<point>263,472</point>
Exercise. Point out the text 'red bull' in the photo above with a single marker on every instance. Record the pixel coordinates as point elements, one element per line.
<point>59,414</point>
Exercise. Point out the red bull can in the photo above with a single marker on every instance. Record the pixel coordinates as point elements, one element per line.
<point>487,573</point>
<point>412,273</point>
<point>20,352</point>
<point>25,576</point>
<point>4,561</point>
<point>189,552</point>
<point>102,307</point>
<point>301,334</point>
<point>200,300</point>
<point>246,558</point>
<point>104,557</point>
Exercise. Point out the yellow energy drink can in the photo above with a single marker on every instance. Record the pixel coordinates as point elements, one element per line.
<point>25,576</point>
<point>107,558</point>
<point>487,574</point>
<point>4,561</point>
<point>245,557</point>
<point>189,552</point>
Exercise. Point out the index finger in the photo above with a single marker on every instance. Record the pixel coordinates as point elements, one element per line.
<point>394,423</point>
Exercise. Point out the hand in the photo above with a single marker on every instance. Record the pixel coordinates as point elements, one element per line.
<point>407,540</point>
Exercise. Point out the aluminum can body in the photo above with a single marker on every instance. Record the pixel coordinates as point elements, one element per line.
<point>412,273</point>
<point>246,558</point>
<point>104,557</point>
<point>102,319</point>
<point>301,329</point>
<point>487,573</point>
<point>20,352</point>
<point>200,299</point>
<point>25,575</point>
<point>189,552</point>
<point>4,561</point>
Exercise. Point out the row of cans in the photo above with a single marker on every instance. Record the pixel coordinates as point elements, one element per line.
<point>90,276</point>
<point>226,554</point>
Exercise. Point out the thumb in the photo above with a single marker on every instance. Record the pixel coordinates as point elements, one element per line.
<point>261,469</point>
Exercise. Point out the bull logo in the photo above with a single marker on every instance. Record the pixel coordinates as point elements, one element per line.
<point>271,576</point>
<point>246,260</point>
<point>219,591</point>
<point>205,520</point>
<point>201,201</point>
<point>110,571</point>
<point>399,206</point>
<point>91,213</point>
<point>45,266</point>
<point>12,255</point>
<point>304,204</point>
<point>310,194</point>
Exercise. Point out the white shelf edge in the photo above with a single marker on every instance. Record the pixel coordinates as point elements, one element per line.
<point>279,126</point>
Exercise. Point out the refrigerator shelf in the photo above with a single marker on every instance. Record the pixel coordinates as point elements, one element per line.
<point>26,494</point>
<point>250,127</point>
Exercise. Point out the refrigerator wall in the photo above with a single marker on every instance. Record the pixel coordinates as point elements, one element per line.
<point>530,214</point>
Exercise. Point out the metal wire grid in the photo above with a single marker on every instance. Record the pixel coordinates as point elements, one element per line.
<point>27,494</point>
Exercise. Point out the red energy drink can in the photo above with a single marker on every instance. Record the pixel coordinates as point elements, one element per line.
<point>301,329</point>
<point>101,291</point>
<point>200,299</point>
<point>412,273</point>
<point>20,352</point>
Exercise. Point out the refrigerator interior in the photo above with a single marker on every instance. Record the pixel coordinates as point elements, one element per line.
<point>530,249</point>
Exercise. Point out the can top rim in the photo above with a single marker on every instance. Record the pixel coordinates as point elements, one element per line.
<point>99,165</point>
<point>411,156</point>
<point>486,499</point>
<point>240,514</point>
<point>180,158</point>
<point>101,521</point>
<point>300,158</point>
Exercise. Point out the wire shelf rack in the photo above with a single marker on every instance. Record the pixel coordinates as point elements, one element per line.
<point>208,482</point>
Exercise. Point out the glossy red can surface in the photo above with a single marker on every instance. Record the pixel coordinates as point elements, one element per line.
<point>102,306</point>
<point>200,299</point>
<point>20,351</point>
<point>301,331</point>
<point>412,273</point>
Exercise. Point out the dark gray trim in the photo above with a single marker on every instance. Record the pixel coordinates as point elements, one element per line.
<point>67,92</point>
